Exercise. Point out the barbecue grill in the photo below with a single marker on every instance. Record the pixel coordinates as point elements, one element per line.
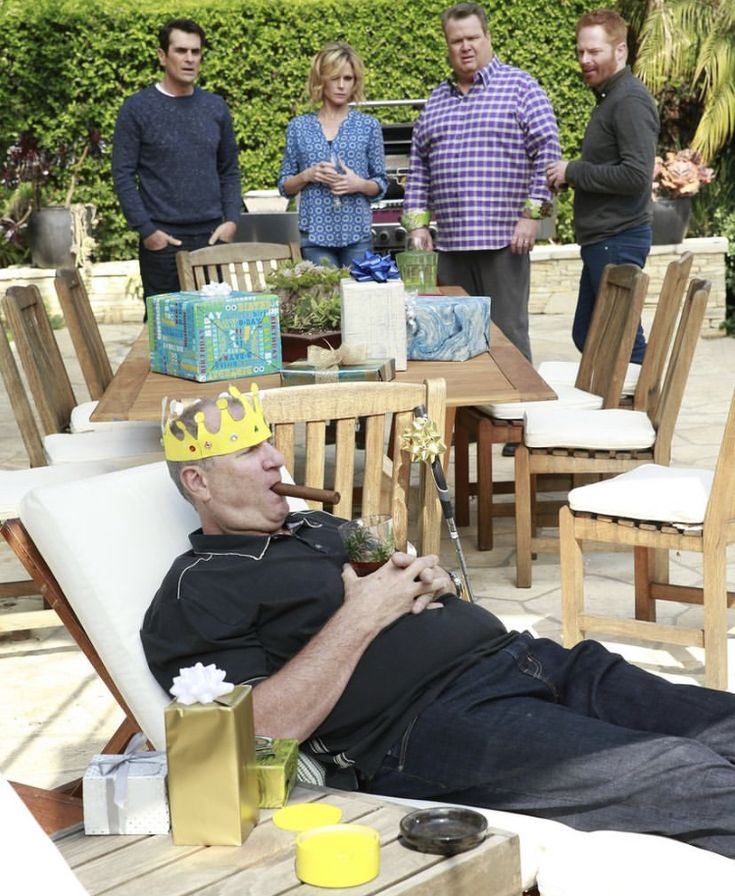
<point>388,233</point>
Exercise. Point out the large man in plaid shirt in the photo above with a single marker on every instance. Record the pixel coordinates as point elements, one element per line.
<point>478,159</point>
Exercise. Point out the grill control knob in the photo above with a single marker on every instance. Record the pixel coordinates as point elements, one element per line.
<point>399,235</point>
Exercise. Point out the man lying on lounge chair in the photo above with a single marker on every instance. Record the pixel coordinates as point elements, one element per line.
<point>395,683</point>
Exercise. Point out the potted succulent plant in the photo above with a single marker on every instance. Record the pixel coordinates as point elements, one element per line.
<point>676,178</point>
<point>57,235</point>
<point>309,301</point>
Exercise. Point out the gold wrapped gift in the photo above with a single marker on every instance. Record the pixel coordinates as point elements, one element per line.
<point>277,772</point>
<point>212,776</point>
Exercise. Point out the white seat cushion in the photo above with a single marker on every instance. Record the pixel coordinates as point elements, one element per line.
<point>31,862</point>
<point>80,422</point>
<point>15,483</point>
<point>650,492</point>
<point>613,863</point>
<point>64,447</point>
<point>564,373</point>
<point>567,397</point>
<point>610,428</point>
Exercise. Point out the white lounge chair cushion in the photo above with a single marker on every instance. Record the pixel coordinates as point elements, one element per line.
<point>31,862</point>
<point>613,429</point>
<point>15,483</point>
<point>80,422</point>
<point>65,448</point>
<point>649,492</point>
<point>110,540</point>
<point>567,397</point>
<point>564,373</point>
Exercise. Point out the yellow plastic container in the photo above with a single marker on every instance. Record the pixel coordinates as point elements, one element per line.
<point>304,816</point>
<point>339,855</point>
<point>418,269</point>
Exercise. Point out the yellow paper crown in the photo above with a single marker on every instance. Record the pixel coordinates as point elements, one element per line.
<point>232,435</point>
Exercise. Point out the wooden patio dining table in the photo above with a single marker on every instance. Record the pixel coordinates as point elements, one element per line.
<point>498,375</point>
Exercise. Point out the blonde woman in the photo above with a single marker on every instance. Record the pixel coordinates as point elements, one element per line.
<point>334,158</point>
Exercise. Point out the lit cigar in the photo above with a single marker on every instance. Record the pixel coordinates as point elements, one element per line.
<point>306,492</point>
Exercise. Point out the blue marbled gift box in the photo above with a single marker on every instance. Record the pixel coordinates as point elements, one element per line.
<point>448,328</point>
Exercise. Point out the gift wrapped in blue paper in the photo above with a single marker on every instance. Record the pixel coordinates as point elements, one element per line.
<point>348,363</point>
<point>447,328</point>
<point>214,334</point>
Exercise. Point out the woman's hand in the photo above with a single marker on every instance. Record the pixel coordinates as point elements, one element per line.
<point>350,182</point>
<point>324,173</point>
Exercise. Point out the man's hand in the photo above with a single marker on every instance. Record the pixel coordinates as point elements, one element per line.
<point>556,175</point>
<point>421,239</point>
<point>524,236</point>
<point>159,239</point>
<point>405,584</point>
<point>225,233</point>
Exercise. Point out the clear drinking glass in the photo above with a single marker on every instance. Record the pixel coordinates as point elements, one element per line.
<point>336,200</point>
<point>368,541</point>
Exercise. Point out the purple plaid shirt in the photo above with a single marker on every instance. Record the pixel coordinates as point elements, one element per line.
<point>476,158</point>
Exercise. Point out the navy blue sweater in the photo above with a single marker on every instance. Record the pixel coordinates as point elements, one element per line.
<point>174,162</point>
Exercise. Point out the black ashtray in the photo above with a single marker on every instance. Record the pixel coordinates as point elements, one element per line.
<point>444,830</point>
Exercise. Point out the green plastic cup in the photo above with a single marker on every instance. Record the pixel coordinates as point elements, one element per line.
<point>418,269</point>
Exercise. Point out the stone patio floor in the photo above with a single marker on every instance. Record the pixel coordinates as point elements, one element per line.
<point>55,713</point>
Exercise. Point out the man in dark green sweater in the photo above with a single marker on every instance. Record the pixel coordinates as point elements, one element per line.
<point>175,161</point>
<point>612,180</point>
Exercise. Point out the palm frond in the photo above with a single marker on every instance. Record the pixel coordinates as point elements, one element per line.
<point>717,125</point>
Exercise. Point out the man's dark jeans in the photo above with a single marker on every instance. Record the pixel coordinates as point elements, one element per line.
<point>631,246</point>
<point>579,736</point>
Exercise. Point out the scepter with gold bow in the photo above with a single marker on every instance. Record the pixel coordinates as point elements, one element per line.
<point>424,443</point>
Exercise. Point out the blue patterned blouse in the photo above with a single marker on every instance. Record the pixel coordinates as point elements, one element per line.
<point>359,144</point>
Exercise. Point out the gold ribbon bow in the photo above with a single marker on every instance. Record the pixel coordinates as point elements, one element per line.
<point>326,358</point>
<point>422,440</point>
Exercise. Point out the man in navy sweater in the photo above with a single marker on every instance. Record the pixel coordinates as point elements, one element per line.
<point>175,161</point>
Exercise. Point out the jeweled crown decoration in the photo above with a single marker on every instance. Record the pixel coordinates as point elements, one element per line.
<point>232,435</point>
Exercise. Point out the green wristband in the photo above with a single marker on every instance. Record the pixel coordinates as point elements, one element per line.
<point>414,219</point>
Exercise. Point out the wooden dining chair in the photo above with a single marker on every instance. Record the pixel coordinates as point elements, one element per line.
<point>19,402</point>
<point>603,442</point>
<point>243,265</point>
<point>100,546</point>
<point>652,509</point>
<point>600,375</point>
<point>59,414</point>
<point>640,378</point>
<point>85,334</point>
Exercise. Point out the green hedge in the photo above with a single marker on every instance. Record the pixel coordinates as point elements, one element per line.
<point>66,64</point>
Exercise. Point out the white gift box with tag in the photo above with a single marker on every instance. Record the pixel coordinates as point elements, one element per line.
<point>374,315</point>
<point>136,805</point>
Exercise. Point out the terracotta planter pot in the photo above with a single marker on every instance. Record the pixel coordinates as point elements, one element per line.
<point>295,345</point>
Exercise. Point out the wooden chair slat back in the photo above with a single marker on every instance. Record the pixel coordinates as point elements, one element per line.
<point>84,332</point>
<point>720,512</point>
<point>19,403</point>
<point>382,486</point>
<point>614,323</point>
<point>662,331</point>
<point>242,265</point>
<point>40,356</point>
<point>665,410</point>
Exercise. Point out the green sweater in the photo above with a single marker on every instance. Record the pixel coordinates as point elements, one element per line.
<point>612,180</point>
